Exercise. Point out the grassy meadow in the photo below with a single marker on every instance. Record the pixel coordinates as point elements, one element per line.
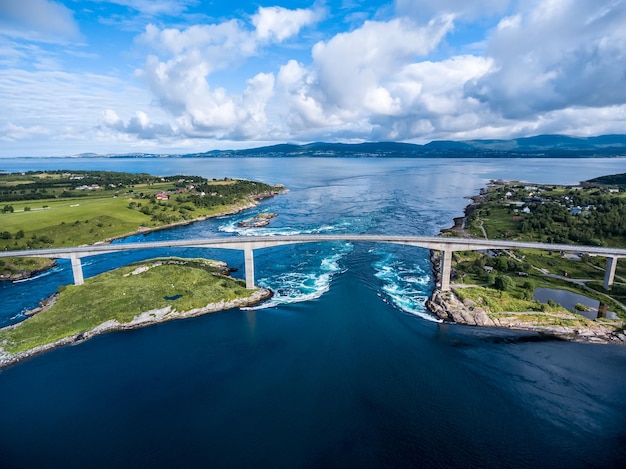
<point>122,294</point>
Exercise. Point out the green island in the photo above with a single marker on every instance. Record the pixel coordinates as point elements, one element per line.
<point>497,288</point>
<point>133,296</point>
<point>64,208</point>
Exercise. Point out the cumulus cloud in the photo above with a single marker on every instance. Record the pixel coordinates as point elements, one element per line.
<point>278,23</point>
<point>179,71</point>
<point>39,20</point>
<point>359,79</point>
<point>553,55</point>
<point>352,65</point>
<point>138,125</point>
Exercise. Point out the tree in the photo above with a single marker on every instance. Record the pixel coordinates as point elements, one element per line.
<point>503,283</point>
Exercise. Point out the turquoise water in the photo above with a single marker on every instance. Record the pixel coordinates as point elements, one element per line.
<point>345,367</point>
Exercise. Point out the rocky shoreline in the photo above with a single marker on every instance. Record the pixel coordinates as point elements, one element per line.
<point>142,320</point>
<point>448,307</point>
<point>23,275</point>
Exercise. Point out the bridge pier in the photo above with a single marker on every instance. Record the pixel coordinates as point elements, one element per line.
<point>249,267</point>
<point>77,270</point>
<point>609,273</point>
<point>445,269</point>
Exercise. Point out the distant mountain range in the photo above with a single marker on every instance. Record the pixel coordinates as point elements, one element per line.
<point>546,146</point>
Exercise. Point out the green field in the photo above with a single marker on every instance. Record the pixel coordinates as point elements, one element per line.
<point>40,210</point>
<point>183,284</point>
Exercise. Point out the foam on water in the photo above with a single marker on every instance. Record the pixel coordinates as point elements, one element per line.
<point>311,281</point>
<point>404,287</point>
<point>232,227</point>
<point>38,276</point>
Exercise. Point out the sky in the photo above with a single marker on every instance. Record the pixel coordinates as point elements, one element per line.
<point>183,76</point>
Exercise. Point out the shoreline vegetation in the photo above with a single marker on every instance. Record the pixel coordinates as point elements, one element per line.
<point>495,289</point>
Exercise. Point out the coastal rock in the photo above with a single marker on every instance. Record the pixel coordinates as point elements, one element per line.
<point>262,219</point>
<point>43,305</point>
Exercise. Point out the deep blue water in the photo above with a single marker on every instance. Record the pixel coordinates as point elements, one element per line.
<point>345,367</point>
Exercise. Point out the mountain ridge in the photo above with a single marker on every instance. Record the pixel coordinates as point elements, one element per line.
<point>547,146</point>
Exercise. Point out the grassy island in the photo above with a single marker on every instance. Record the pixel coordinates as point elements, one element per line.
<point>132,296</point>
<point>66,208</point>
<point>497,287</point>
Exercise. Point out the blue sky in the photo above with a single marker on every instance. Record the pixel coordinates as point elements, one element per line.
<point>178,76</point>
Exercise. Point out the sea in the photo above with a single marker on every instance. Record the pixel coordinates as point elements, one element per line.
<point>344,367</point>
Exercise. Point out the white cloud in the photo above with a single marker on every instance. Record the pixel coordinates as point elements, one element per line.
<point>139,125</point>
<point>179,72</point>
<point>359,79</point>
<point>55,108</point>
<point>38,20</point>
<point>554,55</point>
<point>351,65</point>
<point>280,23</point>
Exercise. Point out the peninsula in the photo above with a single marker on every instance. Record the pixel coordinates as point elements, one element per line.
<point>498,288</point>
<point>64,208</point>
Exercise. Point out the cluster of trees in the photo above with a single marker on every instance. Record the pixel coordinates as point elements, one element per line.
<point>588,215</point>
<point>33,186</point>
<point>33,242</point>
<point>604,220</point>
<point>502,263</point>
<point>224,194</point>
<point>9,235</point>
<point>206,194</point>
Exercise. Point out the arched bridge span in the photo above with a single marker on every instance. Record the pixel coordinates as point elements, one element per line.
<point>447,245</point>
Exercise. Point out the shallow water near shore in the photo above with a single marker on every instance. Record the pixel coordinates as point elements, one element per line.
<point>344,369</point>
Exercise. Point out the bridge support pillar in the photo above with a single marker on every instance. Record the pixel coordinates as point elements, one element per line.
<point>249,263</point>
<point>445,269</point>
<point>609,273</point>
<point>77,270</point>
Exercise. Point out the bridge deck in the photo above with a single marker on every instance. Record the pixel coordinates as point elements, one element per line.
<point>248,244</point>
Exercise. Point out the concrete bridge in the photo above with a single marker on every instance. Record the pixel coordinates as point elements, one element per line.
<point>248,244</point>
